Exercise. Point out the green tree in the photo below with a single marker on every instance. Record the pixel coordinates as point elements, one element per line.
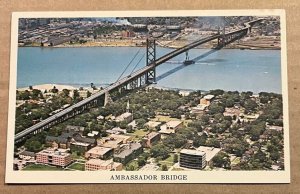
<point>221,160</point>
<point>159,151</point>
<point>164,167</point>
<point>175,158</point>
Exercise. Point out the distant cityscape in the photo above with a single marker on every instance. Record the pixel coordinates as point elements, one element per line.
<point>172,32</point>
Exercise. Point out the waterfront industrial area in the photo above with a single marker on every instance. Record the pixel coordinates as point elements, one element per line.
<point>170,33</point>
<point>143,127</point>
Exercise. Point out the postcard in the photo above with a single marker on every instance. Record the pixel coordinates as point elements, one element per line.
<point>195,96</point>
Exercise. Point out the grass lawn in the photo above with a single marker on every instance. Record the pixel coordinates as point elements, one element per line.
<point>236,160</point>
<point>77,166</point>
<point>132,163</point>
<point>161,118</point>
<point>41,167</point>
<point>138,134</point>
<point>75,156</point>
<point>168,161</point>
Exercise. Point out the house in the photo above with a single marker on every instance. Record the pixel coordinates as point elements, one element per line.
<point>127,117</point>
<point>206,100</point>
<point>99,152</point>
<point>150,139</point>
<point>170,127</point>
<point>128,152</point>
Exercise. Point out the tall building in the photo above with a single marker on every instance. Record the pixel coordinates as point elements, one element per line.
<point>194,159</point>
<point>53,157</point>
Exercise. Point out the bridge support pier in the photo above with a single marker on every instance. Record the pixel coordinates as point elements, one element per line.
<point>107,98</point>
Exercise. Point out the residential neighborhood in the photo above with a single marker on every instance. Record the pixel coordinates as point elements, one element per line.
<point>154,129</point>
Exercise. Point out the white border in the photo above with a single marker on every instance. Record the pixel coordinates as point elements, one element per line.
<point>12,176</point>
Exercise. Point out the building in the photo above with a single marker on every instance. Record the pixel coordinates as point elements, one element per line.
<point>57,142</point>
<point>127,33</point>
<point>128,152</point>
<point>97,164</point>
<point>73,128</point>
<point>81,144</point>
<point>26,155</point>
<point>83,93</point>
<point>152,124</point>
<point>127,117</point>
<point>150,139</point>
<point>206,99</point>
<point>53,157</point>
<point>193,159</point>
<point>116,130</point>
<point>170,127</point>
<point>210,153</point>
<point>99,152</point>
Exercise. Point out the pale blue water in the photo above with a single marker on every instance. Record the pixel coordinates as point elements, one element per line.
<point>228,69</point>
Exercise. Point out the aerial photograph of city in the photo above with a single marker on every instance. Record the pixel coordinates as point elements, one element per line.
<point>149,94</point>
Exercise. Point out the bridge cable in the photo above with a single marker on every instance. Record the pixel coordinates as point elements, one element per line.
<point>129,64</point>
<point>137,63</point>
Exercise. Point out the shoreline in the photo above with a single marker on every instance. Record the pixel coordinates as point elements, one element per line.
<point>71,87</point>
<point>246,45</point>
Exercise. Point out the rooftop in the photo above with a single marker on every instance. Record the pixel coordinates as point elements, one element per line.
<point>192,152</point>
<point>99,150</point>
<point>54,152</point>
<point>128,150</point>
<point>208,97</point>
<point>151,135</point>
<point>173,124</point>
<point>209,151</point>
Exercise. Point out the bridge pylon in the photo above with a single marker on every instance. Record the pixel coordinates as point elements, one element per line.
<point>150,59</point>
<point>107,98</point>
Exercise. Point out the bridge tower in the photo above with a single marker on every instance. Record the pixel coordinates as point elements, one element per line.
<point>221,39</point>
<point>150,59</point>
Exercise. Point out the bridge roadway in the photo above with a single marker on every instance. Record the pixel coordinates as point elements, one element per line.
<point>127,79</point>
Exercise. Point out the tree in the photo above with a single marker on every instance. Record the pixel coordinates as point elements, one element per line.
<point>213,142</point>
<point>75,94</point>
<point>54,90</point>
<point>141,161</point>
<point>66,92</point>
<point>175,158</point>
<point>216,108</point>
<point>164,167</point>
<point>221,160</point>
<point>200,141</point>
<point>159,151</point>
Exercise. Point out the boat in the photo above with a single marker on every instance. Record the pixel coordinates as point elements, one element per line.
<point>187,60</point>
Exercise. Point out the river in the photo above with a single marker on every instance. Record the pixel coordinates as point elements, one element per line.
<point>228,69</point>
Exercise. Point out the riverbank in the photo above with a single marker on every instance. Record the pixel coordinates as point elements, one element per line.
<point>47,87</point>
<point>246,43</point>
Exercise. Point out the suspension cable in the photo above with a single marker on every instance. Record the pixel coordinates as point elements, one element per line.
<point>137,63</point>
<point>129,64</point>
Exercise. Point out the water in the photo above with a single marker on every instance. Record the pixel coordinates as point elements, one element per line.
<point>228,69</point>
